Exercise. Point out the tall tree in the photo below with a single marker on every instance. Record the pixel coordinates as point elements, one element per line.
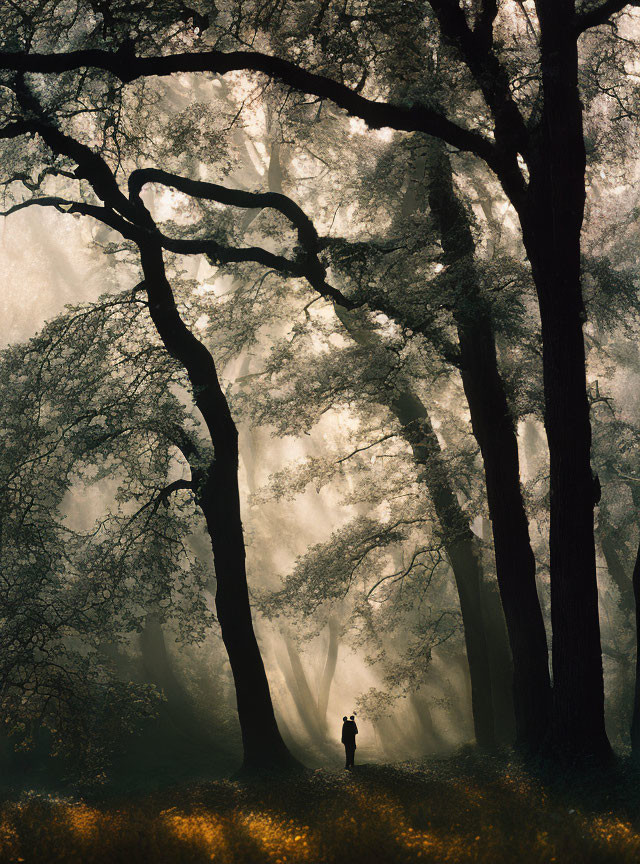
<point>214,478</point>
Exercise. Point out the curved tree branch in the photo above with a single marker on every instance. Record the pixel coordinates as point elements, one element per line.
<point>151,241</point>
<point>127,67</point>
<point>163,496</point>
<point>307,233</point>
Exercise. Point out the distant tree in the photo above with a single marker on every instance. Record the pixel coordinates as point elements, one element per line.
<point>392,272</point>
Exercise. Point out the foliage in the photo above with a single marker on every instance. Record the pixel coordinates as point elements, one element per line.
<point>89,404</point>
<point>459,809</point>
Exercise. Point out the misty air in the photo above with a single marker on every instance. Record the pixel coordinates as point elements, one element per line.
<point>319,431</point>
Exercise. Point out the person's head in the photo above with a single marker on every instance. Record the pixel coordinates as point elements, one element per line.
<point>344,718</point>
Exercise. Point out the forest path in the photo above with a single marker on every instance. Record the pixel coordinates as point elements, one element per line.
<point>457,809</point>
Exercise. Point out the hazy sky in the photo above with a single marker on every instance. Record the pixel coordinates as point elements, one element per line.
<point>45,263</point>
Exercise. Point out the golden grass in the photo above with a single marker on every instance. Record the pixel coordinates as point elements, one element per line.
<point>402,815</point>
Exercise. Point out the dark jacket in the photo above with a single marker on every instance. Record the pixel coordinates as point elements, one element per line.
<point>349,732</point>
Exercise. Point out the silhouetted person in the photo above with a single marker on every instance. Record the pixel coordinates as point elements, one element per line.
<point>349,732</point>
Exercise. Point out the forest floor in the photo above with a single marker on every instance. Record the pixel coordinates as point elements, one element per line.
<point>461,808</point>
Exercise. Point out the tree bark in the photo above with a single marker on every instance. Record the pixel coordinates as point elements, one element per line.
<point>494,429</point>
<point>219,500</point>
<point>218,496</point>
<point>551,223</point>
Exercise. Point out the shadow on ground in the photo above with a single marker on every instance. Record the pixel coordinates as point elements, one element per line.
<point>462,808</point>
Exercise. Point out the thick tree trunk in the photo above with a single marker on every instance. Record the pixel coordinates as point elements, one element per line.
<point>578,691</point>
<point>218,496</point>
<point>635,722</point>
<point>551,223</point>
<point>500,658</point>
<point>494,429</point>
<point>219,499</point>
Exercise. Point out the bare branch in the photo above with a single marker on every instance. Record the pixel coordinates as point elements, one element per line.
<point>136,223</point>
<point>163,496</point>
<point>33,185</point>
<point>367,447</point>
<point>402,574</point>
